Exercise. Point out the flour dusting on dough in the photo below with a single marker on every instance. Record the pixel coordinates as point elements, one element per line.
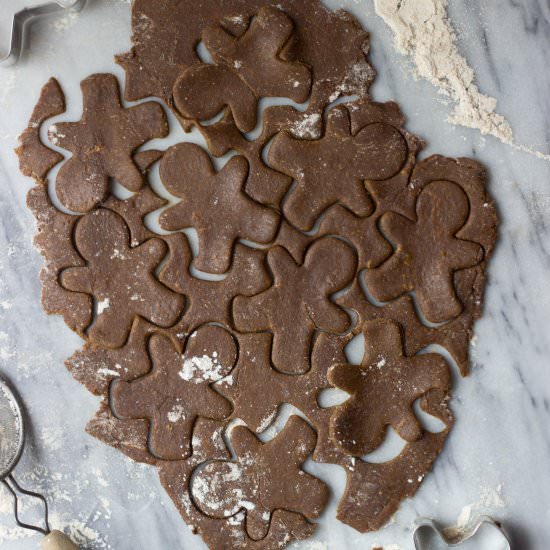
<point>203,368</point>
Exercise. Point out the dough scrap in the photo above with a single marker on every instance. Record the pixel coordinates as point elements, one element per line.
<point>179,389</point>
<point>427,252</point>
<point>54,240</point>
<point>35,158</point>
<point>247,68</point>
<point>333,169</point>
<point>211,301</point>
<point>301,298</point>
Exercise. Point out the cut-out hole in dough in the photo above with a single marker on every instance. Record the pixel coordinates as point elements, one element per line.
<point>276,423</point>
<point>391,448</point>
<point>437,348</point>
<point>332,397</point>
<point>429,422</point>
<point>355,350</point>
<point>366,292</point>
<point>203,53</point>
<point>119,191</point>
<point>266,102</point>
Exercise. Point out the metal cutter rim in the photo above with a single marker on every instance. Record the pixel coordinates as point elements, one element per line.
<point>23,18</point>
<point>425,524</point>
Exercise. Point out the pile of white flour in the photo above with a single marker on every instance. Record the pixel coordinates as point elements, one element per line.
<point>423,31</point>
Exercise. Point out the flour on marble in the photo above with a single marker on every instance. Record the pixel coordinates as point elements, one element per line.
<point>52,437</point>
<point>66,22</point>
<point>423,31</point>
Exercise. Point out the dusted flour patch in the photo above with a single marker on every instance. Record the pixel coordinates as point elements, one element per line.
<point>202,368</point>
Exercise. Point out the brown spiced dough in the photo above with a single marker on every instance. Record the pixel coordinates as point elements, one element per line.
<point>298,303</point>
<point>128,435</point>
<point>96,366</point>
<point>264,477</point>
<point>263,184</point>
<point>120,278</point>
<point>228,533</point>
<point>362,223</point>
<point>257,55</point>
<point>215,204</point>
<point>382,390</point>
<point>453,336</point>
<point>102,144</point>
<point>254,372</point>
<point>35,158</point>
<point>54,240</point>
<point>332,44</point>
<point>362,233</point>
<point>382,487</point>
<point>134,210</point>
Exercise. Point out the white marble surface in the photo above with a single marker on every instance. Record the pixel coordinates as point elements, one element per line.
<point>497,457</point>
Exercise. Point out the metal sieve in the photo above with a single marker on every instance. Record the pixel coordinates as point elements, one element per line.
<point>12,440</point>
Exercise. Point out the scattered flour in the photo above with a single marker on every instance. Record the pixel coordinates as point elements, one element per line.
<point>311,545</point>
<point>102,305</point>
<point>52,437</point>
<point>7,86</point>
<point>176,414</point>
<point>423,31</point>
<point>63,24</point>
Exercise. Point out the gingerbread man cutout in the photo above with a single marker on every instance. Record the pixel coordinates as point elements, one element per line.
<point>179,389</point>
<point>264,478</point>
<point>120,278</point>
<point>383,389</point>
<point>102,143</point>
<point>333,169</point>
<point>215,204</point>
<point>298,303</point>
<point>247,68</point>
<point>257,56</point>
<point>428,252</point>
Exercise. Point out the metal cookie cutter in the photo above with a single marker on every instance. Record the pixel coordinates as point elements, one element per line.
<point>426,528</point>
<point>23,19</point>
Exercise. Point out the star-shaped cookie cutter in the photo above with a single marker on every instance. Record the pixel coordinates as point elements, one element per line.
<point>24,18</point>
<point>426,528</point>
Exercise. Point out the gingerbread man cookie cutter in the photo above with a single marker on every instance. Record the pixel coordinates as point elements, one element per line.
<point>22,21</point>
<point>426,529</point>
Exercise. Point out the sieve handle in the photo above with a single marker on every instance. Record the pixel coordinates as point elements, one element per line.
<point>56,540</point>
